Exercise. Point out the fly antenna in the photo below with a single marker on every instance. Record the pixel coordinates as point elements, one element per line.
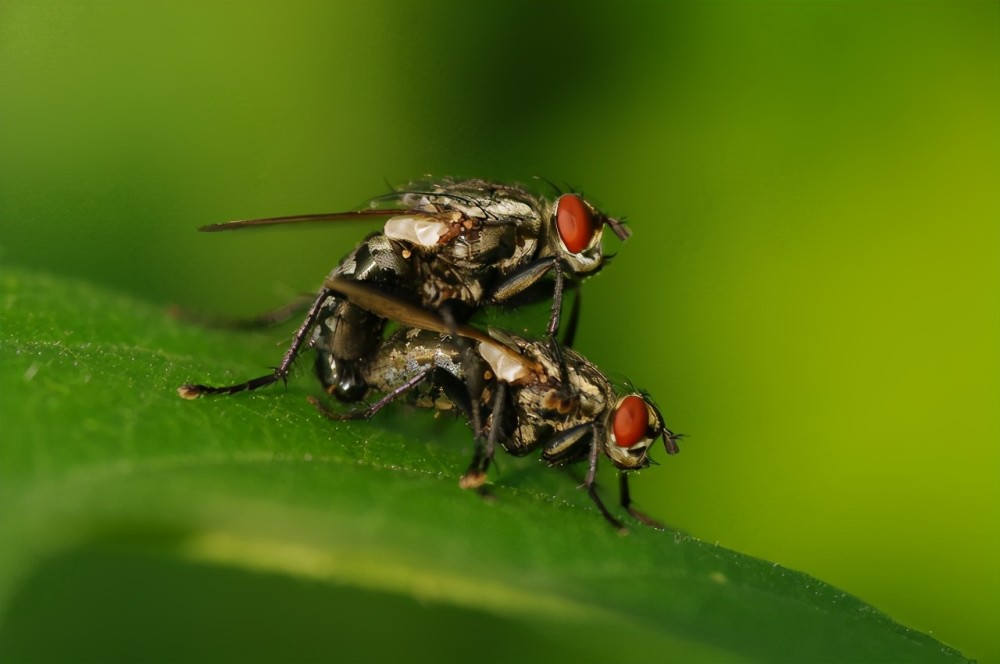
<point>619,228</point>
<point>670,441</point>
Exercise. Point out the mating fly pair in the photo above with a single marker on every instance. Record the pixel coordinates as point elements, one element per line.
<point>452,247</point>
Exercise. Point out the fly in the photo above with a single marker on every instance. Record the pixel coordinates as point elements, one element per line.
<point>451,246</point>
<point>526,405</point>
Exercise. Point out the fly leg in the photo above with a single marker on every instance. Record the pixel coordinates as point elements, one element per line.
<point>553,329</point>
<point>557,298</point>
<point>521,281</point>
<point>275,316</point>
<point>368,413</point>
<point>280,373</point>
<point>473,376</point>
<point>591,485</point>
<point>265,320</point>
<point>626,501</point>
<point>475,476</point>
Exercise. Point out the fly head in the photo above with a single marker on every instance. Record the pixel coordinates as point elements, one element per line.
<point>575,232</point>
<point>633,425</point>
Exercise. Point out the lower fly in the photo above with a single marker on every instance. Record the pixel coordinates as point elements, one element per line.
<point>526,405</point>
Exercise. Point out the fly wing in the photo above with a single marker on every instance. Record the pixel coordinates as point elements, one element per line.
<point>421,229</point>
<point>306,218</point>
<point>388,306</point>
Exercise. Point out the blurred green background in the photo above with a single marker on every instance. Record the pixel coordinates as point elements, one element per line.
<point>812,291</point>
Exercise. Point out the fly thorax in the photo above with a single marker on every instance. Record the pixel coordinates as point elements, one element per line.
<point>591,396</point>
<point>440,282</point>
<point>559,403</point>
<point>593,391</point>
<point>526,247</point>
<point>532,428</point>
<point>550,403</point>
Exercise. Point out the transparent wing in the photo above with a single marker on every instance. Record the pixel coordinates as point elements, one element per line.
<point>388,306</point>
<point>306,218</point>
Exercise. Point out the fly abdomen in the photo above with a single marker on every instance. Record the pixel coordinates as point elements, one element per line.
<point>433,366</point>
<point>409,353</point>
<point>346,334</point>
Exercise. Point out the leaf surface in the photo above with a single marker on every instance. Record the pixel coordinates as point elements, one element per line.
<point>107,478</point>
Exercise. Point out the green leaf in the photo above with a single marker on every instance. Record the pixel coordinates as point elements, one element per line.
<point>137,525</point>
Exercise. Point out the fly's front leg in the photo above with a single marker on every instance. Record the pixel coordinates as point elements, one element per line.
<point>557,297</point>
<point>475,476</point>
<point>591,484</point>
<point>368,413</point>
<point>626,501</point>
<point>520,281</point>
<point>553,328</point>
<point>527,276</point>
<point>280,373</point>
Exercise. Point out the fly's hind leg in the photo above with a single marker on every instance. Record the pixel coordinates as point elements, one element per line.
<point>265,320</point>
<point>369,412</point>
<point>193,391</point>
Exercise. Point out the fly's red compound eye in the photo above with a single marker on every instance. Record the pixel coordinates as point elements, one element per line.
<point>574,222</point>
<point>630,422</point>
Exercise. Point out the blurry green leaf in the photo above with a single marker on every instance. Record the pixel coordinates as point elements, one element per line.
<point>137,525</point>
